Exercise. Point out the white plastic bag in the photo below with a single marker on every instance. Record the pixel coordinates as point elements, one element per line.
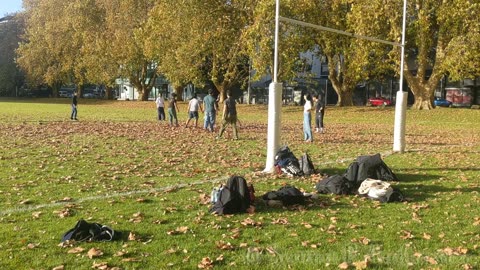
<point>376,189</point>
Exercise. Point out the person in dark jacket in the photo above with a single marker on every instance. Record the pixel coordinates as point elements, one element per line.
<point>73,116</point>
<point>229,116</point>
<point>319,113</point>
<point>172,110</point>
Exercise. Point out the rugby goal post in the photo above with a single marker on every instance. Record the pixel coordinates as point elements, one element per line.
<point>275,89</point>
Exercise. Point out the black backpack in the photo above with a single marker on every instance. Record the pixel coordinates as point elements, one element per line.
<point>335,184</point>
<point>306,165</point>
<point>289,195</point>
<point>85,231</point>
<point>233,198</point>
<point>287,162</point>
<point>369,167</point>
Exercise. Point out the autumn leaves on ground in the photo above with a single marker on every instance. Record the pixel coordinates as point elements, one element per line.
<point>119,167</point>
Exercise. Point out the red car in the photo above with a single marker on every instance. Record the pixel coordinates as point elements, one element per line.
<point>379,101</point>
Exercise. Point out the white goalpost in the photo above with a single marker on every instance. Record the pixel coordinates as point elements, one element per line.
<point>275,89</point>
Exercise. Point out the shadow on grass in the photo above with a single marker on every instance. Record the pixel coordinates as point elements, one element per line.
<point>424,192</point>
<point>426,187</point>
<point>407,178</point>
<point>322,202</point>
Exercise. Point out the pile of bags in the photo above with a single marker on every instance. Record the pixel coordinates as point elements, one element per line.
<point>366,176</point>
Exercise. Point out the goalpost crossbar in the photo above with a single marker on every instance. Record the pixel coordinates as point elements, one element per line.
<point>323,28</point>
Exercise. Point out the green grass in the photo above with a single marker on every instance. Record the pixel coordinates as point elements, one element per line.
<point>118,166</point>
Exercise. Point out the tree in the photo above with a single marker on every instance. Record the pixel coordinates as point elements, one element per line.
<point>125,34</point>
<point>48,52</point>
<point>88,41</point>
<point>442,36</point>
<point>10,31</point>
<point>205,41</point>
<point>348,58</point>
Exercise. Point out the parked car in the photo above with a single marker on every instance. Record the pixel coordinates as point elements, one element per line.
<point>440,102</point>
<point>379,101</point>
<point>89,95</point>
<point>66,92</point>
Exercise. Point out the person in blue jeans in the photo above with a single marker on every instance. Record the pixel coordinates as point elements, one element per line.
<point>73,116</point>
<point>210,107</point>
<point>307,118</point>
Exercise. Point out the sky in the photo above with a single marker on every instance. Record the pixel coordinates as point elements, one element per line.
<point>9,6</point>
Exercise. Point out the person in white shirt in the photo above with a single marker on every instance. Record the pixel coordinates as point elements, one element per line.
<point>193,106</point>
<point>307,118</point>
<point>160,108</point>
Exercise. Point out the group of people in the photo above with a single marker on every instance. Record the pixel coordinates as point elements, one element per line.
<point>229,113</point>
<point>209,107</point>
<point>319,108</point>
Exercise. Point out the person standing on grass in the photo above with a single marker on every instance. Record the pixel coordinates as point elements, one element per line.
<point>73,116</point>
<point>229,116</point>
<point>307,119</point>
<point>173,109</point>
<point>319,113</point>
<point>160,108</point>
<point>193,106</point>
<point>210,107</point>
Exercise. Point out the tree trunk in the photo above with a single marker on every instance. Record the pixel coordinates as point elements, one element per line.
<point>109,93</point>
<point>341,82</point>
<point>423,97</point>
<point>56,89</point>
<point>145,93</point>
<point>222,93</point>
<point>422,89</point>
<point>79,91</point>
<point>344,91</point>
<point>345,96</point>
<point>179,92</point>
<point>422,104</point>
<point>144,80</point>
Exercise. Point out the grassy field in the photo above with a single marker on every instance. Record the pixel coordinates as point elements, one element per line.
<point>120,167</point>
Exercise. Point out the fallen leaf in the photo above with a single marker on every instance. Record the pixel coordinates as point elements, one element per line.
<point>307,225</point>
<point>100,265</point>
<point>182,229</point>
<point>94,252</point>
<point>431,260</point>
<point>36,215</point>
<point>271,251</point>
<point>250,222</point>
<point>343,265</point>
<point>364,240</point>
<point>132,236</point>
<point>360,265</point>
<point>406,235</point>
<point>454,251</point>
<point>32,245</point>
<point>206,263</point>
<point>281,221</point>
<point>27,201</point>
<point>76,250</point>
<point>224,245</point>
<point>131,260</point>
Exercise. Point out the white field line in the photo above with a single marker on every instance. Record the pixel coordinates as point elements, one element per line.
<point>107,196</point>
<point>136,192</point>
